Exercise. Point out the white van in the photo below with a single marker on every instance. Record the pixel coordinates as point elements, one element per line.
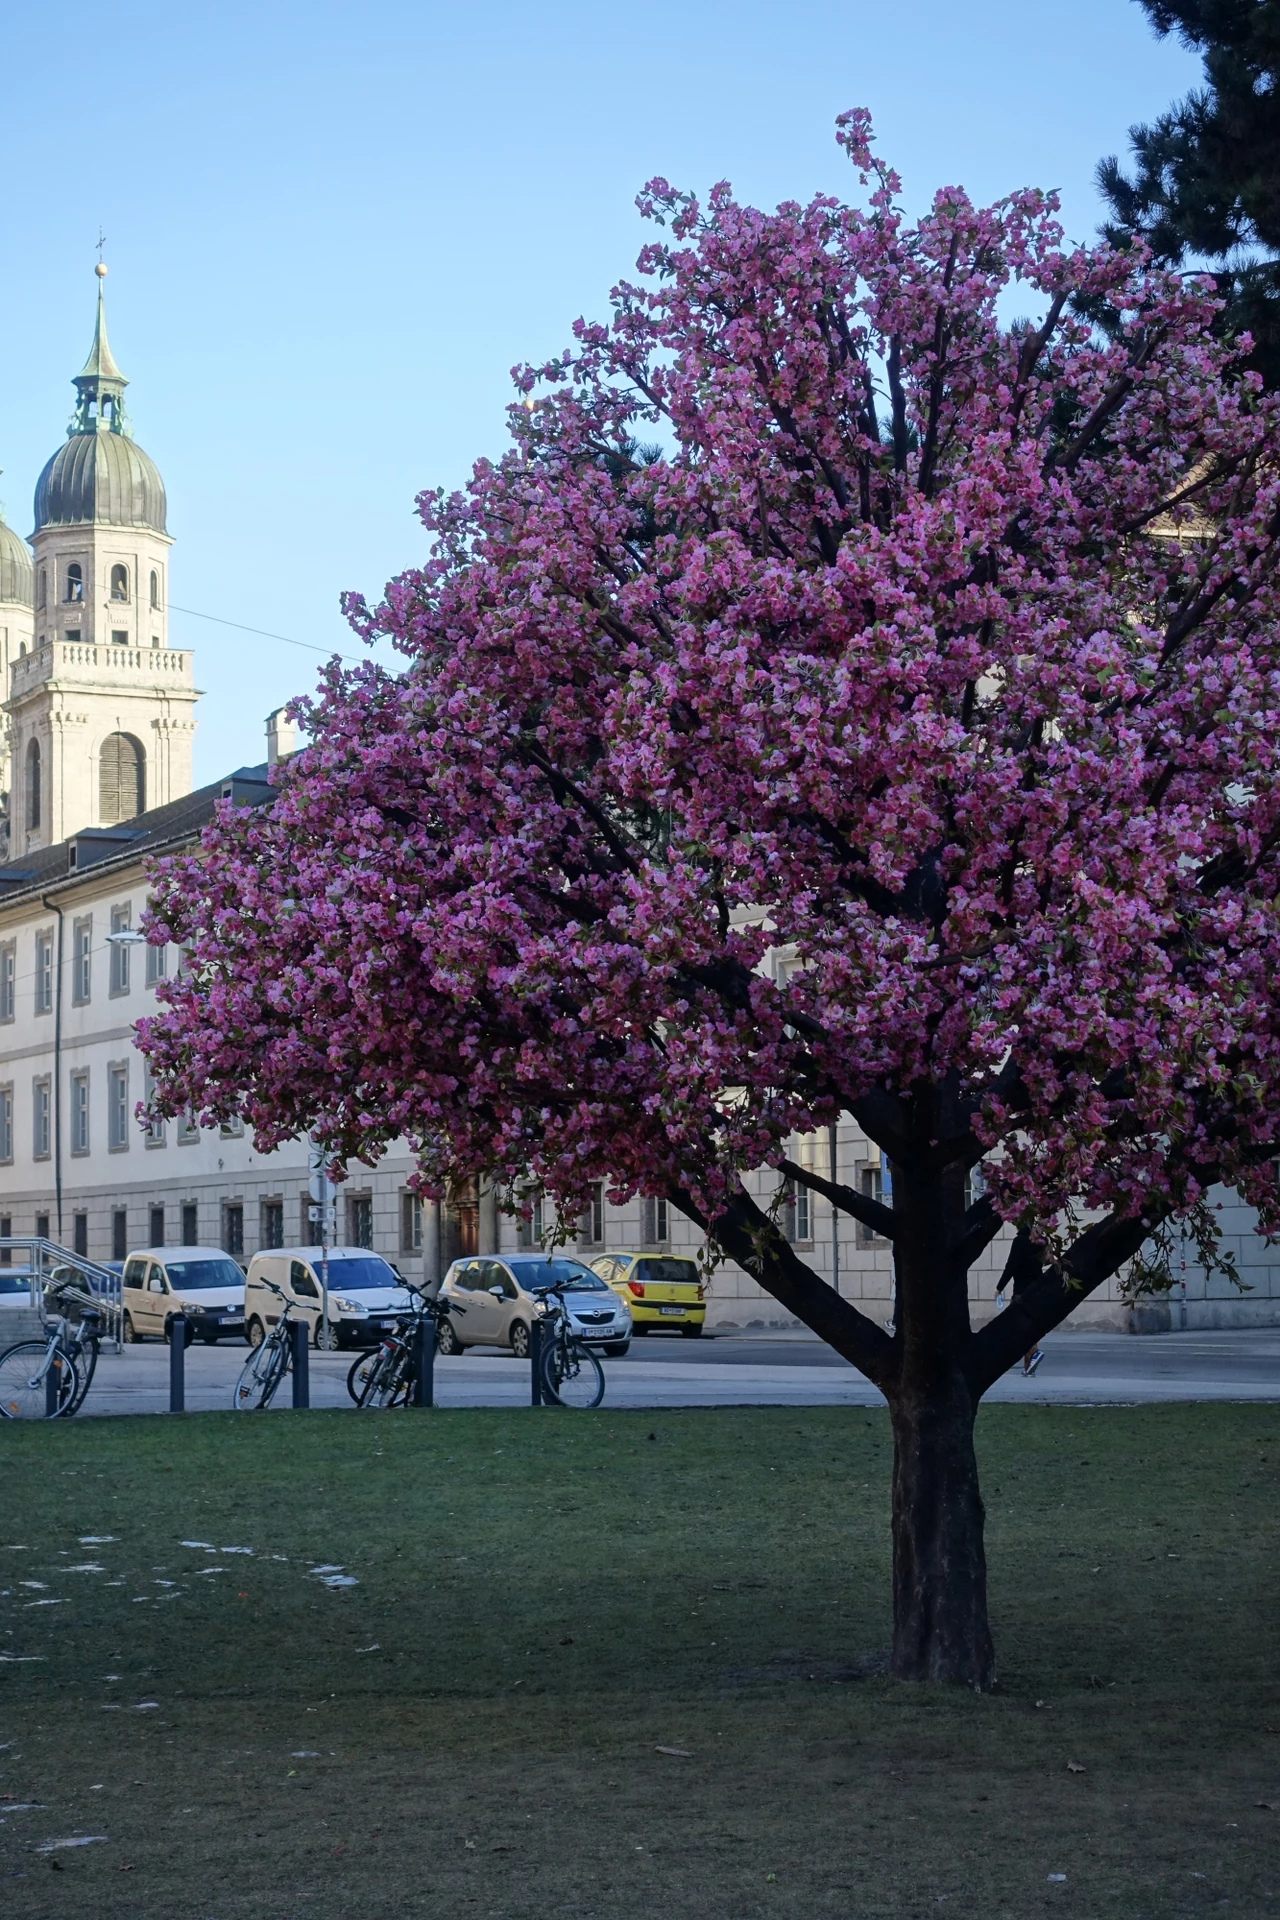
<point>203,1283</point>
<point>365,1294</point>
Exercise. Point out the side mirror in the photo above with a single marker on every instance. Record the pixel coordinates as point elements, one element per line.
<point>499,1293</point>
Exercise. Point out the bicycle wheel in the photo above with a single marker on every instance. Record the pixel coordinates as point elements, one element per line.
<point>359,1373</point>
<point>86,1358</point>
<point>260,1376</point>
<point>572,1375</point>
<point>23,1393</point>
<point>388,1385</point>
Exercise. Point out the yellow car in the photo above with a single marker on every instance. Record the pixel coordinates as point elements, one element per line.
<point>660,1289</point>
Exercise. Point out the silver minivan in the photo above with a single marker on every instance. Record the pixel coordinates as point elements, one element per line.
<point>499,1302</point>
<point>366,1294</point>
<point>202,1283</point>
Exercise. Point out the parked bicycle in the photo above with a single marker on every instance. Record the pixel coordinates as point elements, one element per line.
<point>268,1364</point>
<point>48,1379</point>
<point>571,1374</point>
<point>384,1377</point>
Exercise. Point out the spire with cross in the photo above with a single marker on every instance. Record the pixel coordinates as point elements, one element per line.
<point>100,384</point>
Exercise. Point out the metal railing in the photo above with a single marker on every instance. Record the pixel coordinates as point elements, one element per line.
<point>47,1262</point>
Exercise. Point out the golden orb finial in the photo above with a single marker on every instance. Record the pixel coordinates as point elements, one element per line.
<point>101,269</point>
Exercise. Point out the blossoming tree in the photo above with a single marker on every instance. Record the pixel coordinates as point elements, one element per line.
<point>931,653</point>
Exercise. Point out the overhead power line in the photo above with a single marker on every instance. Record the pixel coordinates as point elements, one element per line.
<point>263,634</point>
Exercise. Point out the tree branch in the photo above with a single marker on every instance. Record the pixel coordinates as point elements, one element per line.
<point>859,1206</point>
<point>1043,1298</point>
<point>751,1238</point>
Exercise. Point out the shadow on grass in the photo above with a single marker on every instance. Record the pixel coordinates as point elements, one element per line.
<point>624,1663</point>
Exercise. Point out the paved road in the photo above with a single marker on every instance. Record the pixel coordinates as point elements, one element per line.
<point>747,1368</point>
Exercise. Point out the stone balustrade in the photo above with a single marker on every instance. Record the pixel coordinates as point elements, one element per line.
<point>99,662</point>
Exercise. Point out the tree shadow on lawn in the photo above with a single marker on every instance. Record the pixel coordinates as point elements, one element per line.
<point>586,1671</point>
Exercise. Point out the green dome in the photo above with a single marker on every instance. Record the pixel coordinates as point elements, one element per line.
<point>15,567</point>
<point>103,478</point>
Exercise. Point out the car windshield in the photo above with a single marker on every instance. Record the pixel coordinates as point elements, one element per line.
<point>359,1276</point>
<point>558,1273</point>
<point>203,1273</point>
<point>14,1283</point>
<point>667,1273</point>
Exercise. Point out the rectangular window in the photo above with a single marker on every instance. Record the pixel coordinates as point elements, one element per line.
<point>310,1222</point>
<point>80,1235</point>
<point>156,1225</point>
<point>118,1109</point>
<point>797,1223</point>
<point>8,978</point>
<point>360,1220</point>
<point>233,1228</point>
<point>6,1131</point>
<point>188,1130</point>
<point>190,1224</point>
<point>655,1221</point>
<point>529,1232</point>
<point>157,964</point>
<point>6,1233</point>
<point>591,1225</point>
<point>871,1184</point>
<point>79,1113</point>
<point>155,1135</point>
<point>81,950</point>
<point>271,1223</point>
<point>411,1223</point>
<point>233,1128</point>
<point>119,1233</point>
<point>44,973</point>
<point>41,1123</point>
<point>42,1226</point>
<point>974,1187</point>
<point>121,922</point>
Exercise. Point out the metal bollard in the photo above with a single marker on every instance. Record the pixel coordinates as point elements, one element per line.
<point>535,1362</point>
<point>178,1363</point>
<point>424,1363</point>
<point>300,1335</point>
<point>52,1385</point>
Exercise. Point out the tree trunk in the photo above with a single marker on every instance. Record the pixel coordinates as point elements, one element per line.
<point>940,1627</point>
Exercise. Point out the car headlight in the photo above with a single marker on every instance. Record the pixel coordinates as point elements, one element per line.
<point>344,1306</point>
<point>193,1308</point>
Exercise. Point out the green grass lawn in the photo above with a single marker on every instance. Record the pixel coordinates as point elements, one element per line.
<point>546,1601</point>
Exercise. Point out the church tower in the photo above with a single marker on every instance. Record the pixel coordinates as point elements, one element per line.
<point>100,708</point>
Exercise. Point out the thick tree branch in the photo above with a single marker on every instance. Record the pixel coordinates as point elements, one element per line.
<point>750,1237</point>
<point>981,1225</point>
<point>859,1206</point>
<point>1043,1299</point>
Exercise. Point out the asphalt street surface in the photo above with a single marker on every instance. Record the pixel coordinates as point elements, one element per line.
<point>747,1368</point>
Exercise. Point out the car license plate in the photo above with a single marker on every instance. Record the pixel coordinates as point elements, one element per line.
<point>671,1310</point>
<point>230,1320</point>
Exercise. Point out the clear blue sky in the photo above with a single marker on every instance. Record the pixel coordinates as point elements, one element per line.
<point>332,230</point>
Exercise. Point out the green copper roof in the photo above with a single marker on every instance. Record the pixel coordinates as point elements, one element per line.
<point>100,476</point>
<point>100,365</point>
<point>102,479</point>
<point>15,568</point>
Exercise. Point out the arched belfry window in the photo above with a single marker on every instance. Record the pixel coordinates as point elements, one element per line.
<point>44,586</point>
<point>75,582</point>
<point>155,588</point>
<point>121,779</point>
<point>119,583</point>
<point>33,785</point>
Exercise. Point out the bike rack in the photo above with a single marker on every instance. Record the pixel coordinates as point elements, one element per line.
<point>45,1258</point>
